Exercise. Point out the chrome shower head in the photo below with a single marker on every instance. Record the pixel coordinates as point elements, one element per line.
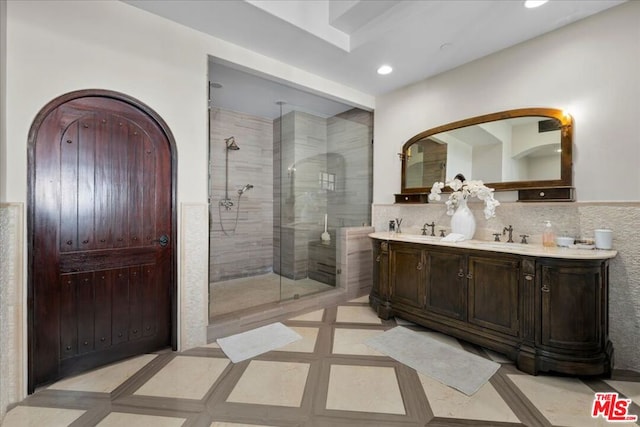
<point>231,143</point>
<point>245,188</point>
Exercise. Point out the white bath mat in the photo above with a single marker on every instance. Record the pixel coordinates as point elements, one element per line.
<point>449,365</point>
<point>248,344</point>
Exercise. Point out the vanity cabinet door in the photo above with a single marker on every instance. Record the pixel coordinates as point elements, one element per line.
<point>571,307</point>
<point>493,293</point>
<point>407,276</point>
<point>380,284</point>
<point>446,287</point>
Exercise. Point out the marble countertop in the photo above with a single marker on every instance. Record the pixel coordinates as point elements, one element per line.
<point>535,250</point>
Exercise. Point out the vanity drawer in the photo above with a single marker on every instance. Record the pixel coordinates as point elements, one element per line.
<point>412,198</point>
<point>547,194</point>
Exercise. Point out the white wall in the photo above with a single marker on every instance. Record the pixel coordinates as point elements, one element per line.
<point>591,68</point>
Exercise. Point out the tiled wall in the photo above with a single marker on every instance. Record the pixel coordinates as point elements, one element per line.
<point>355,260</point>
<point>12,355</point>
<point>285,209</point>
<point>575,219</point>
<point>350,160</point>
<point>302,151</point>
<point>194,301</point>
<point>248,250</point>
<point>338,147</point>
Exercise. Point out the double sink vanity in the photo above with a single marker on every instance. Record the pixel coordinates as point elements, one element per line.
<point>545,308</point>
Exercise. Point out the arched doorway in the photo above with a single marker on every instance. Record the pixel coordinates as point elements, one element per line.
<point>101,234</point>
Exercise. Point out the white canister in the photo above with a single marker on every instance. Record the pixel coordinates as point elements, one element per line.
<point>603,238</point>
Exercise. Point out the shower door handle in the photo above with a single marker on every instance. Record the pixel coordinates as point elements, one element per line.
<point>163,240</point>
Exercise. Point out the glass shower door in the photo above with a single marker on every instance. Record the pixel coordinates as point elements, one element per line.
<point>325,166</point>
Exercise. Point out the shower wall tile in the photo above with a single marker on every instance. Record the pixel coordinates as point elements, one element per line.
<point>310,146</point>
<point>355,260</point>
<point>299,215</point>
<point>245,249</point>
<point>349,158</point>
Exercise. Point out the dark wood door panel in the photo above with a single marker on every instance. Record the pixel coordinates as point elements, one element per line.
<point>101,195</point>
<point>446,292</point>
<point>407,283</point>
<point>493,294</point>
<point>571,315</point>
<point>107,259</point>
<point>99,309</point>
<point>107,181</point>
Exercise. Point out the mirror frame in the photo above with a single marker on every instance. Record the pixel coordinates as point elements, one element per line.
<point>566,144</point>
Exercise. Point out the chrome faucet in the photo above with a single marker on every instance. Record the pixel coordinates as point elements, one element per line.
<point>433,228</point>
<point>510,230</point>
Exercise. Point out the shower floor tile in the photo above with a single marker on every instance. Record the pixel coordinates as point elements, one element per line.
<point>239,294</point>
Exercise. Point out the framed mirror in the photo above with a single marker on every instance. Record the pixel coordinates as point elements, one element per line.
<point>523,149</point>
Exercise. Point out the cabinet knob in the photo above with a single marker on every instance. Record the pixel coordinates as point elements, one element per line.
<point>460,273</point>
<point>470,276</point>
<point>528,277</point>
<point>378,258</point>
<point>545,288</point>
<point>419,266</point>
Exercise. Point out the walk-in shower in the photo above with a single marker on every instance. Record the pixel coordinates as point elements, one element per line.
<point>309,158</point>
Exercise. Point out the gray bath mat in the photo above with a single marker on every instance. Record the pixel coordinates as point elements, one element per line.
<point>248,344</point>
<point>449,365</point>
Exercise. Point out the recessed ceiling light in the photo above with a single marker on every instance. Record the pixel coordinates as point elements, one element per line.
<point>384,70</point>
<point>530,4</point>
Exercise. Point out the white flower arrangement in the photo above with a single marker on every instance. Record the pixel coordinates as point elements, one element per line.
<point>463,189</point>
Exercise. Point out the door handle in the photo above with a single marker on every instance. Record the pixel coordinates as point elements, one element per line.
<point>163,240</point>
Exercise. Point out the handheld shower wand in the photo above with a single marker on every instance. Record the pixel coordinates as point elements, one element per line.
<point>245,188</point>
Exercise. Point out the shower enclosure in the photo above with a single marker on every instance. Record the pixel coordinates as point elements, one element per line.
<point>282,181</point>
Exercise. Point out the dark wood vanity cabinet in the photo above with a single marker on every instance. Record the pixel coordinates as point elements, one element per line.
<point>547,314</point>
<point>573,323</point>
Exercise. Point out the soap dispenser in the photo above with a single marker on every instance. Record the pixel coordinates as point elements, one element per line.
<point>548,235</point>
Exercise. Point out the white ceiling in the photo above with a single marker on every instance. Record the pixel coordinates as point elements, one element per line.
<point>347,40</point>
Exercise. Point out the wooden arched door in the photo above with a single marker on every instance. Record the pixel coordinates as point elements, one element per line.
<point>101,225</point>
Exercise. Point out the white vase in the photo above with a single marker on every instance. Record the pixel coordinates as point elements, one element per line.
<point>463,222</point>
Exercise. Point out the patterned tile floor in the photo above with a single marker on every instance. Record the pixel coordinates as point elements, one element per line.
<point>329,378</point>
